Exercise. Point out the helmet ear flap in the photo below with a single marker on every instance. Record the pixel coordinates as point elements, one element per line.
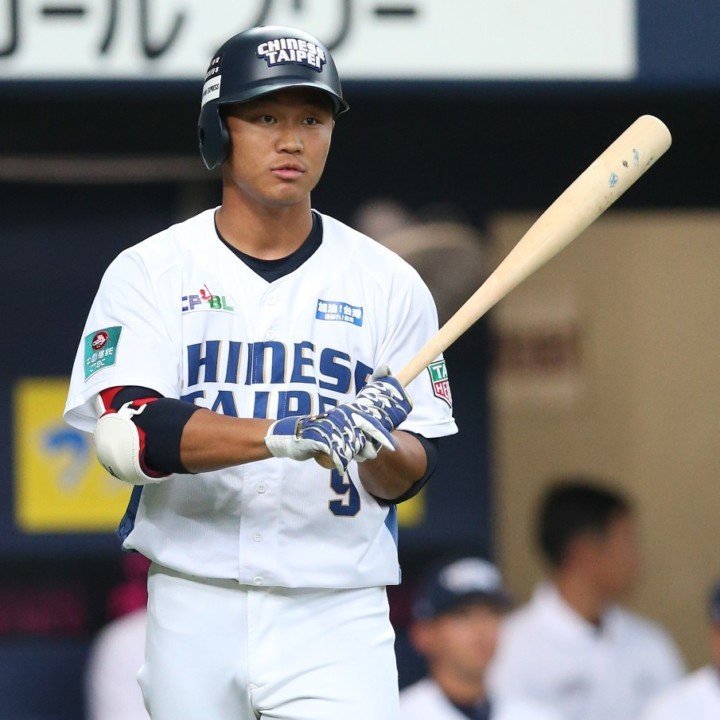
<point>213,136</point>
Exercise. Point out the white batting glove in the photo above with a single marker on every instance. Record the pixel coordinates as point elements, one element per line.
<point>343,433</point>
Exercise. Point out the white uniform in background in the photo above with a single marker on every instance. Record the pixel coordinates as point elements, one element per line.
<point>181,314</point>
<point>111,676</point>
<point>425,700</point>
<point>696,697</point>
<point>548,653</point>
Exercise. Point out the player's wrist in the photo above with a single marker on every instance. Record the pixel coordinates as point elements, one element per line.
<point>213,441</point>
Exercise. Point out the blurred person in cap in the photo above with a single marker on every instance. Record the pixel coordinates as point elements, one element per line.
<point>573,646</point>
<point>457,615</point>
<point>696,697</point>
<point>118,651</point>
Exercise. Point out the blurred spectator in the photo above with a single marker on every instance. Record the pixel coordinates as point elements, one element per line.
<point>381,217</point>
<point>457,615</point>
<point>572,646</point>
<point>447,252</point>
<point>118,652</point>
<point>696,697</point>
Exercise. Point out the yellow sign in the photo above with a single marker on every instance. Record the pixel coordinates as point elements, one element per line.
<point>412,512</point>
<point>59,484</point>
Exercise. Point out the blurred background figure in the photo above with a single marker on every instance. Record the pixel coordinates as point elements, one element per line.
<point>457,612</point>
<point>118,651</point>
<point>572,646</point>
<point>696,697</point>
<point>438,241</point>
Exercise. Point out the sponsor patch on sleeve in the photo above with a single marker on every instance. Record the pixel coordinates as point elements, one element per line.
<point>338,310</point>
<point>101,349</point>
<point>439,381</point>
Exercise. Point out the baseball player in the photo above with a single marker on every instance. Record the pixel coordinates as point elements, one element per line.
<point>457,614</point>
<point>573,647</point>
<point>697,696</point>
<point>219,359</point>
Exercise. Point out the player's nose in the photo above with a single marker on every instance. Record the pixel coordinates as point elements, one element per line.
<point>290,141</point>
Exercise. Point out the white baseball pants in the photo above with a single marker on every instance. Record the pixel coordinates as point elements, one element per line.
<point>217,650</point>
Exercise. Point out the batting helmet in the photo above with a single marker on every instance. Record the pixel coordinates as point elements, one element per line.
<point>257,62</point>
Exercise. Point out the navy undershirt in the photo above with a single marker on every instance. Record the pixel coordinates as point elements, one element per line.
<point>271,270</point>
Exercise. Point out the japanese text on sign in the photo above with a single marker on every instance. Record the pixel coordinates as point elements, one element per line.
<point>424,39</point>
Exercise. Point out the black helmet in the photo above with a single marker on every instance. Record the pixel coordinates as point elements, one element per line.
<point>257,62</point>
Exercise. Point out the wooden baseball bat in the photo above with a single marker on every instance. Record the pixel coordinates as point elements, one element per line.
<point>590,195</point>
<point>593,192</point>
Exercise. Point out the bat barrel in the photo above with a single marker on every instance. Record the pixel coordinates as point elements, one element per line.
<point>593,192</point>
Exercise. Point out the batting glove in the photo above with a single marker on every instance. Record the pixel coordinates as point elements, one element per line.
<point>384,399</point>
<point>343,433</point>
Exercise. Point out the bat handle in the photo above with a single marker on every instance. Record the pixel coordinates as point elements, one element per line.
<point>324,461</point>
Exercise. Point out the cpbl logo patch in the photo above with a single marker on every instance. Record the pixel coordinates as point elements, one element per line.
<point>205,300</point>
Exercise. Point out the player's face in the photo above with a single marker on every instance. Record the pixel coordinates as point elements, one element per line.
<point>462,642</point>
<point>279,144</point>
<point>618,556</point>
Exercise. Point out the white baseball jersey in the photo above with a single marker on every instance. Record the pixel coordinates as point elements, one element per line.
<point>696,697</point>
<point>180,313</point>
<point>425,700</point>
<point>550,654</point>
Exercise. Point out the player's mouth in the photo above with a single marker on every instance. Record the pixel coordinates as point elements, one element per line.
<point>288,171</point>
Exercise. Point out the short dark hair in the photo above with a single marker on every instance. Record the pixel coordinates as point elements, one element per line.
<point>575,506</point>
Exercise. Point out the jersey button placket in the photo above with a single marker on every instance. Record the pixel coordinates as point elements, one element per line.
<point>269,313</point>
<point>258,531</point>
<point>259,536</point>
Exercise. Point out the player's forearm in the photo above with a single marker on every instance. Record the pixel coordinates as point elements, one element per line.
<point>211,441</point>
<point>392,474</point>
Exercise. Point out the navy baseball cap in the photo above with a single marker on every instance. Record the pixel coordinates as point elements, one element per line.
<point>714,606</point>
<point>456,583</point>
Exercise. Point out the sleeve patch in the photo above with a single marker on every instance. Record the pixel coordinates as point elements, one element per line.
<point>101,349</point>
<point>439,381</point>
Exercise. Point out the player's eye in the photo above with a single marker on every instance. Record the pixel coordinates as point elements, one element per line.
<point>266,119</point>
<point>310,120</point>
